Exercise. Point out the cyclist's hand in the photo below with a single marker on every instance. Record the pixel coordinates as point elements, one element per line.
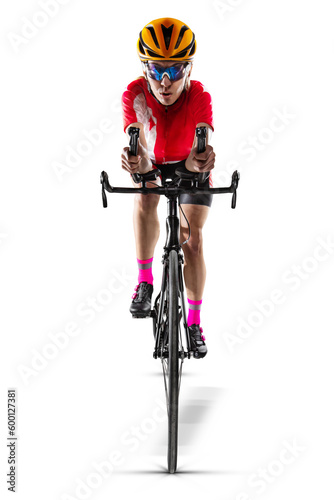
<point>133,164</point>
<point>201,162</point>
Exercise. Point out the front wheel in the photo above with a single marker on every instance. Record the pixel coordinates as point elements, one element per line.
<point>173,381</point>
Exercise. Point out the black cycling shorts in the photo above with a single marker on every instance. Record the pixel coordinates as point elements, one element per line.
<point>168,172</point>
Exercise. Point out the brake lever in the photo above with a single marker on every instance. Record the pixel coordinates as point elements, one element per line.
<point>103,177</point>
<point>234,186</point>
<point>234,199</point>
<point>235,178</point>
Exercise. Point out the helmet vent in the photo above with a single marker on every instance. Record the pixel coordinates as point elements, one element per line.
<point>141,48</point>
<point>181,54</point>
<point>154,54</point>
<point>154,36</point>
<point>192,50</point>
<point>182,32</point>
<point>167,33</point>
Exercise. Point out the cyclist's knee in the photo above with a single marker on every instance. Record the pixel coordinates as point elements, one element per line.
<point>194,247</point>
<point>146,202</point>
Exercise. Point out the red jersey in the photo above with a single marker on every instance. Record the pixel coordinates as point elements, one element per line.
<point>169,130</point>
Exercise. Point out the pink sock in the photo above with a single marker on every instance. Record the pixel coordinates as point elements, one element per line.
<point>194,313</point>
<point>145,271</point>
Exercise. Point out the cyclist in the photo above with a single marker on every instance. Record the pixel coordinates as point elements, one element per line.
<point>167,107</point>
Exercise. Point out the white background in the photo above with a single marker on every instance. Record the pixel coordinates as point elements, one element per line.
<point>59,249</point>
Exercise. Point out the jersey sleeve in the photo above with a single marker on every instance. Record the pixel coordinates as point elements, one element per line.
<point>202,104</point>
<point>129,96</point>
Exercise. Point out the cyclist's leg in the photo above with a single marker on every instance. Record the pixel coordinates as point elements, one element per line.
<point>146,228</point>
<point>194,265</point>
<point>194,272</point>
<point>145,222</point>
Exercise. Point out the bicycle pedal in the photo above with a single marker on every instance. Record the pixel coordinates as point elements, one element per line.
<point>151,314</point>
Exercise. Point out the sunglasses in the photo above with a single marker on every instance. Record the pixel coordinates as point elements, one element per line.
<point>174,73</point>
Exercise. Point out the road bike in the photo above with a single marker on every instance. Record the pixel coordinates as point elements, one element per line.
<point>172,344</point>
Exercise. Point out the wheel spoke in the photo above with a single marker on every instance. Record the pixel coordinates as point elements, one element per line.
<point>180,373</point>
<point>164,369</point>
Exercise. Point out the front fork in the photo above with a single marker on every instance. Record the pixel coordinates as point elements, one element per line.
<point>158,314</point>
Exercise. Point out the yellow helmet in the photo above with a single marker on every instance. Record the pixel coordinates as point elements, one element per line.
<point>166,39</point>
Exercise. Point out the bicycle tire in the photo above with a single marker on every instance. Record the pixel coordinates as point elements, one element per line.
<point>173,334</point>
